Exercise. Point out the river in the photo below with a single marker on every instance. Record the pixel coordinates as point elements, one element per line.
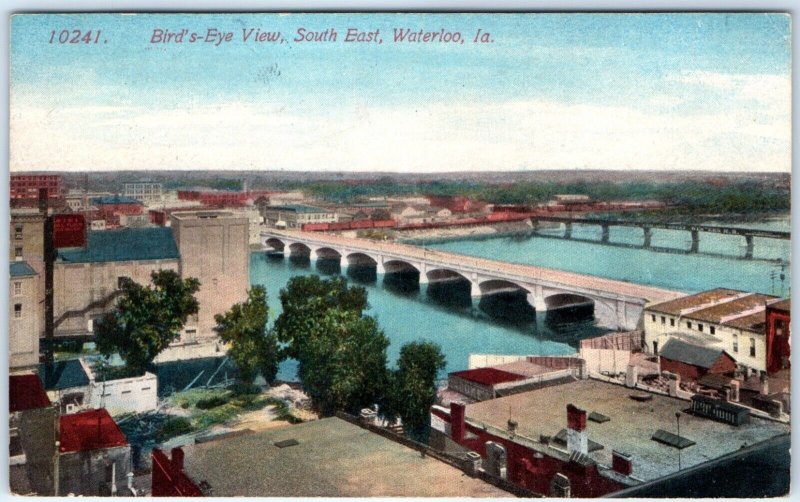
<point>447,316</point>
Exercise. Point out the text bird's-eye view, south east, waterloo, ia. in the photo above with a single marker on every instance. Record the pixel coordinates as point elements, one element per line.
<point>400,254</point>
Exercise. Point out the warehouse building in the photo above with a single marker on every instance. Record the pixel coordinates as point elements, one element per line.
<point>733,321</point>
<point>296,215</point>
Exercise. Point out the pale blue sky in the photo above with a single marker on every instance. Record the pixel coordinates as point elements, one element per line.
<point>648,91</point>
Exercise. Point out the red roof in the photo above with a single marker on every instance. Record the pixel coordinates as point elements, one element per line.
<point>90,430</point>
<point>26,393</point>
<point>488,376</point>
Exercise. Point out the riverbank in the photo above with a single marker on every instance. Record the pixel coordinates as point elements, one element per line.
<point>479,232</point>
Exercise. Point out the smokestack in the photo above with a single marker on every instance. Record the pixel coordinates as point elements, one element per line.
<point>577,439</point>
<point>457,426</point>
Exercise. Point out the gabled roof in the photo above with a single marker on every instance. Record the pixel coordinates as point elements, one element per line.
<point>677,350</point>
<point>21,269</point>
<point>64,375</point>
<point>125,244</point>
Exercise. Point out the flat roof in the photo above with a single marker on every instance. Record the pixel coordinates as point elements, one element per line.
<point>299,208</point>
<point>89,430</point>
<point>674,307</point>
<point>716,313</point>
<point>785,304</point>
<point>25,392</point>
<point>116,199</point>
<point>488,376</point>
<point>333,458</point>
<point>124,244</point>
<point>632,424</point>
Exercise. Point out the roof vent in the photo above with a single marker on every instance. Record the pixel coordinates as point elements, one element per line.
<point>286,443</point>
<point>670,439</point>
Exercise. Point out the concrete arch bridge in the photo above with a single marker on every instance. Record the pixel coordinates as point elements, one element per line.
<point>615,304</point>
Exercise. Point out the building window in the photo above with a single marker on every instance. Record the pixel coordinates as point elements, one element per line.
<point>17,288</point>
<point>700,327</point>
<point>18,252</point>
<point>18,232</point>
<point>778,327</point>
<point>736,343</point>
<point>663,320</point>
<point>17,310</point>
<point>653,317</point>
<point>713,330</point>
<point>752,347</point>
<point>689,325</point>
<point>672,322</point>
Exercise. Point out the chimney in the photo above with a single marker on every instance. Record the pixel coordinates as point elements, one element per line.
<point>621,463</point>
<point>764,384</point>
<point>577,439</point>
<point>632,375</point>
<point>177,458</point>
<point>457,412</point>
<point>735,385</point>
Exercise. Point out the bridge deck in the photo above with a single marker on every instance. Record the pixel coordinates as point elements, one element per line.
<point>453,260</point>
<point>755,232</point>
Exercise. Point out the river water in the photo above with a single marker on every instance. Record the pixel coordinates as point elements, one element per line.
<point>506,325</point>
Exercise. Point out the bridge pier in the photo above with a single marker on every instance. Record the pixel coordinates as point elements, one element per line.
<point>605,227</point>
<point>568,230</point>
<point>695,241</point>
<point>538,303</point>
<point>343,264</point>
<point>749,250</point>
<point>648,236</point>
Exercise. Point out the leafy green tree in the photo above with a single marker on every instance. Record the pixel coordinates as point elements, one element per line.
<point>305,300</point>
<point>147,318</point>
<point>412,388</point>
<point>244,329</point>
<point>342,364</point>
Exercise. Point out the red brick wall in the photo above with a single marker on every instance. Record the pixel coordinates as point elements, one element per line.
<point>777,346</point>
<point>535,474</point>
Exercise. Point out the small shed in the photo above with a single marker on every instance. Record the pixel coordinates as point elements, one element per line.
<point>694,361</point>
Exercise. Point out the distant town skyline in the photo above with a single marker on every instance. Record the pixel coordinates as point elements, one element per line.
<point>550,91</point>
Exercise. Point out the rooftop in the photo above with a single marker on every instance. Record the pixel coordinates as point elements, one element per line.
<point>785,305</point>
<point>298,208</point>
<point>674,307</point>
<point>64,375</point>
<point>125,244</point>
<point>334,458</point>
<point>632,424</point>
<point>678,350</point>
<point>115,199</point>
<point>717,313</point>
<point>89,430</point>
<point>488,376</point>
<point>26,393</point>
<point>198,215</point>
<point>21,269</point>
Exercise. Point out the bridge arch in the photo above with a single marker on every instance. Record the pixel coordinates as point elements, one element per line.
<point>567,300</point>
<point>435,275</point>
<point>399,266</point>
<point>496,286</point>
<point>361,259</point>
<point>299,249</point>
<point>275,244</point>
<point>325,253</point>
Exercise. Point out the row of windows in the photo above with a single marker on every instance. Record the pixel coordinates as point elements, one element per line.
<point>700,326</point>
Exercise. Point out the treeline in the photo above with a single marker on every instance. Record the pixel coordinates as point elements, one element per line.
<point>738,196</point>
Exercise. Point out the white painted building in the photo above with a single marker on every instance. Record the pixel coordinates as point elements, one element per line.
<point>730,320</point>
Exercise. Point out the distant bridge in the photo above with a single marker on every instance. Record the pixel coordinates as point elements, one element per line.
<point>616,304</point>
<point>647,227</point>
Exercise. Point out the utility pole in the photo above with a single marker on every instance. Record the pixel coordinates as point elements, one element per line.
<point>678,418</point>
<point>49,258</point>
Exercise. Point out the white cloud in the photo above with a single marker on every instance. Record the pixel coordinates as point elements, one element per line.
<point>504,136</point>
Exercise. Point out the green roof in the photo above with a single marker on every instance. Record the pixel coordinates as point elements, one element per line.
<point>299,208</point>
<point>21,269</point>
<point>126,244</point>
<point>63,375</point>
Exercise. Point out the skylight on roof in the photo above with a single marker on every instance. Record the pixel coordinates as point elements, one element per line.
<point>671,439</point>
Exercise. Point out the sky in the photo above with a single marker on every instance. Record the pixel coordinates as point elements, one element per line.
<point>545,91</point>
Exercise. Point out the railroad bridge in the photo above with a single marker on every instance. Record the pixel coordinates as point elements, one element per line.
<point>647,227</point>
<point>616,304</point>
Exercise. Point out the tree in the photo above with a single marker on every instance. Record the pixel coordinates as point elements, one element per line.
<point>341,355</point>
<point>342,364</point>
<point>147,318</point>
<point>412,388</point>
<point>244,329</point>
<point>305,300</point>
